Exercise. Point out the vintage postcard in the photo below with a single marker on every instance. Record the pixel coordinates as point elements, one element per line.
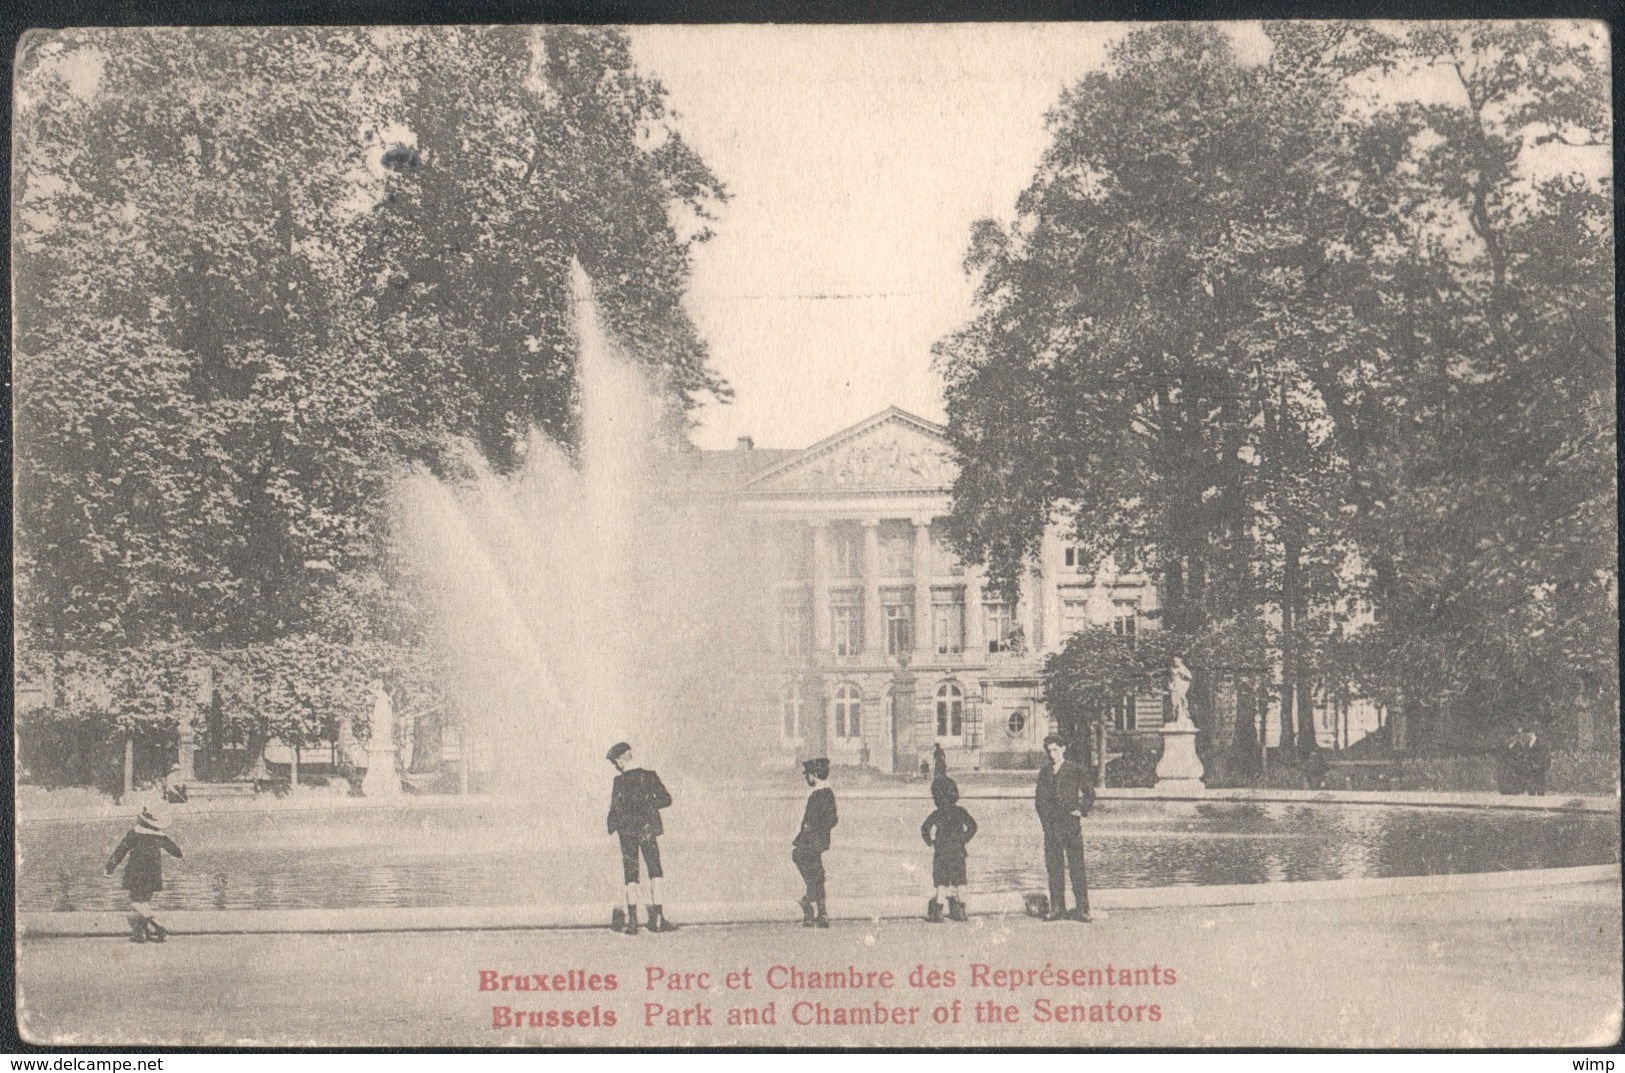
<point>1082,535</point>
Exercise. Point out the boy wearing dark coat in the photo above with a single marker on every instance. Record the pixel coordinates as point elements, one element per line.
<point>812,839</point>
<point>634,814</point>
<point>144,844</point>
<point>948,830</point>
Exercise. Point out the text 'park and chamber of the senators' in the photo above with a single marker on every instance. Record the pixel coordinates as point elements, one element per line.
<point>834,996</point>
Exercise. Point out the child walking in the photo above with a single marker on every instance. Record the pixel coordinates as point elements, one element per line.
<point>812,839</point>
<point>947,830</point>
<point>145,844</point>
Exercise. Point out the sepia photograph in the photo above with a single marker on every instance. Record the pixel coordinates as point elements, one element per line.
<point>969,535</point>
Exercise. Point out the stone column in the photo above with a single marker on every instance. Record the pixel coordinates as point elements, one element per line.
<point>975,638</point>
<point>874,639</point>
<point>902,719</point>
<point>815,716</point>
<point>820,590</point>
<point>1032,599</point>
<point>924,643</point>
<point>1049,595</point>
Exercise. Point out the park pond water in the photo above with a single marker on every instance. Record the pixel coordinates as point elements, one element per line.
<point>505,853</point>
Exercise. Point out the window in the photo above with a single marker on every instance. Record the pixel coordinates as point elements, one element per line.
<point>943,559</point>
<point>1123,712</point>
<point>846,623</point>
<point>899,625</point>
<point>793,713</point>
<point>795,623</point>
<point>1016,723</point>
<point>1000,626</point>
<point>847,550</point>
<point>1073,557</point>
<point>948,620</point>
<point>848,711</point>
<point>1074,614</point>
<point>1123,616</point>
<point>950,710</point>
<point>896,549</point>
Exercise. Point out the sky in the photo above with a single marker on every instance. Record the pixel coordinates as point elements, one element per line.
<point>857,159</point>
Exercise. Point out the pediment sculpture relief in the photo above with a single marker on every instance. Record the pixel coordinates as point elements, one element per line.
<point>886,458</point>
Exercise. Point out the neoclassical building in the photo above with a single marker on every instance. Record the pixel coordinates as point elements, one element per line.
<point>886,644</point>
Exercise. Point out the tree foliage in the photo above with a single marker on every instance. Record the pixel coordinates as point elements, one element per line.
<point>258,271</point>
<point>1329,354</point>
<point>1097,667</point>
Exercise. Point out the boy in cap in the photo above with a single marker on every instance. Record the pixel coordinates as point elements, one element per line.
<point>807,851</point>
<point>947,830</point>
<point>634,815</point>
<point>145,844</point>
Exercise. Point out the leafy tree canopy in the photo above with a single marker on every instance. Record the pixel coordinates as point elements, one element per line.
<point>1328,351</point>
<point>259,270</point>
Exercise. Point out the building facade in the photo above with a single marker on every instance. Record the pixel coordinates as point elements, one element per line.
<point>886,645</point>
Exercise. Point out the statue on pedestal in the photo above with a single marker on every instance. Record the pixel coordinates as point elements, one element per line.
<point>1179,688</point>
<point>381,779</point>
<point>1180,769</point>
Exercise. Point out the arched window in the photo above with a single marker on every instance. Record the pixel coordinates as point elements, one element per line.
<point>792,711</point>
<point>950,710</point>
<point>848,711</point>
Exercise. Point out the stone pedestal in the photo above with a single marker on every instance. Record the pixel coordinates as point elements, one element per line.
<point>185,757</point>
<point>1180,768</point>
<point>381,779</point>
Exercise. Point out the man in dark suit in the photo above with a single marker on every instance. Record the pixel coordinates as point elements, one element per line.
<point>634,815</point>
<point>1063,797</point>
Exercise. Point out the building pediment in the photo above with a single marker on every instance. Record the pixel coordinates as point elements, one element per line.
<point>892,451</point>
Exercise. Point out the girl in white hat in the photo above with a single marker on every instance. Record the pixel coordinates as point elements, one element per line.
<point>145,844</point>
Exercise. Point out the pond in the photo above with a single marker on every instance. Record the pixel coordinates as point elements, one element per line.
<point>499,853</point>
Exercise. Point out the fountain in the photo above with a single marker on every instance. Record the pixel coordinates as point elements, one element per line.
<point>577,603</point>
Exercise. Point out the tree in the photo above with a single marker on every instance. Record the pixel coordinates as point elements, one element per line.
<point>129,701</point>
<point>527,151</point>
<point>1491,503</point>
<point>193,413</point>
<point>261,271</point>
<point>1096,668</point>
<point>1132,369</point>
<point>1272,392</point>
<point>230,338</point>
